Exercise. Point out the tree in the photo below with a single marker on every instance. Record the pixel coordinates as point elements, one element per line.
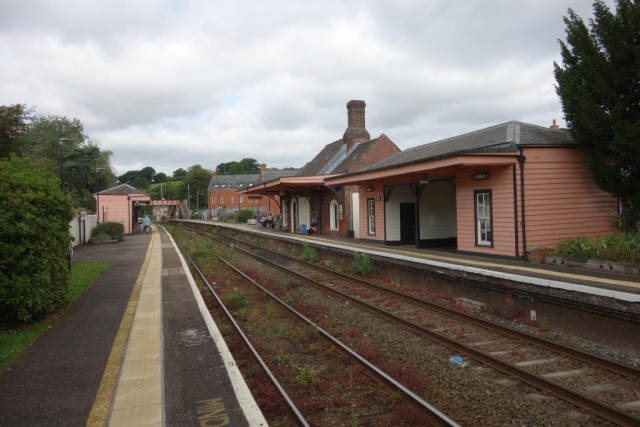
<point>179,173</point>
<point>222,168</point>
<point>42,138</point>
<point>127,177</point>
<point>235,168</point>
<point>197,181</point>
<point>147,173</point>
<point>160,177</point>
<point>34,240</point>
<point>599,88</point>
<point>86,171</point>
<point>140,183</point>
<point>250,164</point>
<point>14,120</point>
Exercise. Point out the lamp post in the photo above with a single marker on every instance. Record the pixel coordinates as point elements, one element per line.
<point>98,193</point>
<point>61,141</point>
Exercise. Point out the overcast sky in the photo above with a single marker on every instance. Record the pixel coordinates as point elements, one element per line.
<point>170,83</point>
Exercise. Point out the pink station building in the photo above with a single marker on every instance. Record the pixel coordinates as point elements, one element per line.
<point>506,190</point>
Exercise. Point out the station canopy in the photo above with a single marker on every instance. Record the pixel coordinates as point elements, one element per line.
<point>282,186</point>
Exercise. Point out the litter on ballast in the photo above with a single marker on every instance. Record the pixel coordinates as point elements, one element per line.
<point>457,360</point>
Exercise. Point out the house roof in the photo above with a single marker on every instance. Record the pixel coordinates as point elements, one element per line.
<point>286,183</point>
<point>322,159</point>
<point>334,158</point>
<point>122,189</point>
<point>353,157</point>
<point>233,182</point>
<point>270,175</point>
<point>503,137</point>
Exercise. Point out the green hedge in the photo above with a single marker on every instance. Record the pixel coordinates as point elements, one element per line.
<point>115,230</point>
<point>245,215</point>
<point>34,242</point>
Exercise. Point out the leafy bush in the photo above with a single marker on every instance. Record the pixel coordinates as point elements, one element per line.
<point>34,242</point>
<point>245,215</point>
<point>615,247</point>
<point>309,254</point>
<point>361,264</point>
<point>115,230</point>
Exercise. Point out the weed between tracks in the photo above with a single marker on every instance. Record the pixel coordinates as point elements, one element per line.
<point>325,386</point>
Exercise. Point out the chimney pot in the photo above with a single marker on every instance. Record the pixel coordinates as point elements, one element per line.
<point>554,126</point>
<point>214,173</point>
<point>356,131</point>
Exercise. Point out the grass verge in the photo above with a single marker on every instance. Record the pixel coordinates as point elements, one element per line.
<point>14,340</point>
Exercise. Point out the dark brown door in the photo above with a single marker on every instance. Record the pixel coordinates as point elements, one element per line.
<point>408,223</point>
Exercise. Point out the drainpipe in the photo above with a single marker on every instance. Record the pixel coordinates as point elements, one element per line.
<point>417,194</point>
<point>521,159</point>
<point>129,219</point>
<point>515,208</point>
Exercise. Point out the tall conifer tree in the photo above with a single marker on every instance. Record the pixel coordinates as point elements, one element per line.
<point>599,88</point>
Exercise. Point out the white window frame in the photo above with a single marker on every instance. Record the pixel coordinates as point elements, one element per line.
<point>483,207</point>
<point>371,217</point>
<point>213,199</point>
<point>285,208</point>
<point>221,199</point>
<point>233,200</point>
<point>334,216</point>
<point>241,200</point>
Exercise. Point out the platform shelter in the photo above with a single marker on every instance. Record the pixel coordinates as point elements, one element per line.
<point>121,204</point>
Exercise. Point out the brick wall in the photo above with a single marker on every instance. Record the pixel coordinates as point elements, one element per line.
<point>382,149</point>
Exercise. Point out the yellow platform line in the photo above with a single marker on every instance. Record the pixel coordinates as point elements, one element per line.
<point>102,402</point>
<point>138,398</point>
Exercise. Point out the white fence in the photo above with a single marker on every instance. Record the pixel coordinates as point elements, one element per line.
<point>80,228</point>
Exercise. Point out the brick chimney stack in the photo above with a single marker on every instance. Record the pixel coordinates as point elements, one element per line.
<point>554,126</point>
<point>214,173</point>
<point>356,131</point>
<point>263,167</point>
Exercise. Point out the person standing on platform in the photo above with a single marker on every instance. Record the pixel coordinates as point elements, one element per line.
<point>147,224</point>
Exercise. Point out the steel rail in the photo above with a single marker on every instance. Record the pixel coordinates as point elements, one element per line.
<point>292,406</point>
<point>574,397</point>
<point>440,418</point>
<point>610,365</point>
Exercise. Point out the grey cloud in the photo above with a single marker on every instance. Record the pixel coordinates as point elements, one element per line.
<point>174,83</point>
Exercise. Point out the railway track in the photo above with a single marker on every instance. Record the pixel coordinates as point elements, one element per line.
<point>529,358</point>
<point>430,415</point>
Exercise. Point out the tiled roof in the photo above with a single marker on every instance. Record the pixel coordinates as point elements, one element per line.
<point>122,189</point>
<point>269,175</point>
<point>510,135</point>
<point>233,182</point>
<point>320,161</point>
<point>355,155</point>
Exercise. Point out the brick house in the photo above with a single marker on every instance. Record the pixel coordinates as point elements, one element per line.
<point>307,192</point>
<point>505,190</point>
<point>223,191</point>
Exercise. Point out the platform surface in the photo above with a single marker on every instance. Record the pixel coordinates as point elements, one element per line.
<point>137,348</point>
<point>623,287</point>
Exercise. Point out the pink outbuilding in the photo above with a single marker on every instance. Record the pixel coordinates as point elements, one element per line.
<point>121,204</point>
